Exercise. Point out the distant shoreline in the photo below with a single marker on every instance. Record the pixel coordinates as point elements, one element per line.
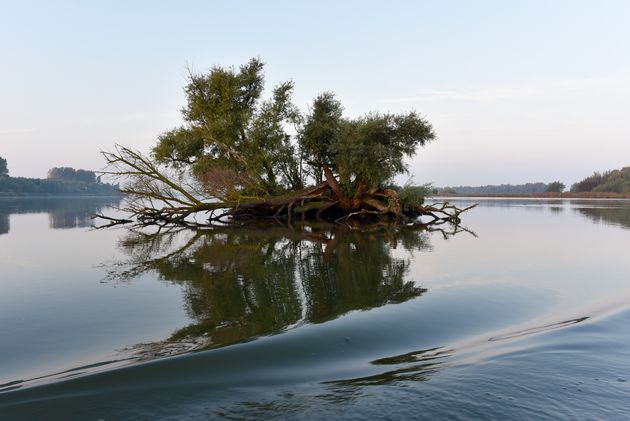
<point>13,195</point>
<point>566,195</point>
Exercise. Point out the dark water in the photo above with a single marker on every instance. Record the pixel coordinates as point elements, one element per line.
<point>524,315</point>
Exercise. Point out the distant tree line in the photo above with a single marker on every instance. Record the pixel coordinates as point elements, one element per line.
<point>60,181</point>
<point>70,174</point>
<point>36,186</point>
<point>614,181</point>
<point>498,189</point>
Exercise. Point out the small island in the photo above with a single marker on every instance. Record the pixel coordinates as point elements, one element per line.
<point>241,156</point>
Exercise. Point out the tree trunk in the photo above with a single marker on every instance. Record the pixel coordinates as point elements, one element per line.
<point>344,201</point>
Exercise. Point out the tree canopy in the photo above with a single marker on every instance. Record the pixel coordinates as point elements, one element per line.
<point>231,133</point>
<point>267,146</point>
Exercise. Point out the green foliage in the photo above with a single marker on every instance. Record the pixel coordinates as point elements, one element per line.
<point>321,131</point>
<point>410,196</point>
<point>219,107</point>
<point>180,146</point>
<point>269,150</point>
<point>555,187</point>
<point>366,151</point>
<point>371,149</point>
<point>4,170</point>
<point>223,102</point>
<point>615,181</point>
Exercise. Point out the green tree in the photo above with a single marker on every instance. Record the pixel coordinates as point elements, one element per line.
<point>555,187</point>
<point>229,132</point>
<point>361,154</point>
<point>321,131</point>
<point>4,170</point>
<point>373,148</point>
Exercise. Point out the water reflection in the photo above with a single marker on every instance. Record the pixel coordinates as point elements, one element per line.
<point>619,216</point>
<point>66,212</point>
<point>603,211</point>
<point>243,283</point>
<point>4,223</point>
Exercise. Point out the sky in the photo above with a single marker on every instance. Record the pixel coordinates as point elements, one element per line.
<point>517,91</point>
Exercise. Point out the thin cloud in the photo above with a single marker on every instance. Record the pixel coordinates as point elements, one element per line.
<point>496,94</point>
<point>482,95</point>
<point>15,131</point>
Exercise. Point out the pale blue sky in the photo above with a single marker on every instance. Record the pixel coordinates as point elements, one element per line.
<point>518,91</point>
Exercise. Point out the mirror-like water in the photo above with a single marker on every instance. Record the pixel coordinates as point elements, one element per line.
<point>524,314</point>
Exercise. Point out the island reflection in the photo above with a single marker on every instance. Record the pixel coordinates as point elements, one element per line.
<point>242,283</point>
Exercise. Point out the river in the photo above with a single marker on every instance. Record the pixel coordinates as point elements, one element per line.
<point>523,312</point>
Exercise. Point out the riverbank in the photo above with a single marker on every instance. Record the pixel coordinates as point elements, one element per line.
<point>565,195</point>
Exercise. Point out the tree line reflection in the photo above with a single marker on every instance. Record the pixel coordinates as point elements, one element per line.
<point>68,212</point>
<point>617,215</point>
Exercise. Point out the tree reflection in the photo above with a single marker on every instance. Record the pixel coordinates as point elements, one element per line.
<point>241,283</point>
<point>617,215</point>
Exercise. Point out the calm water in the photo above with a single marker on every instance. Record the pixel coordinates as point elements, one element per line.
<point>524,315</point>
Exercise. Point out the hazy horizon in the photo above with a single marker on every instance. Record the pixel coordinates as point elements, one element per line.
<point>517,92</point>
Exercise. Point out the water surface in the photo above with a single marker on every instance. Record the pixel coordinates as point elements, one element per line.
<point>523,314</point>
